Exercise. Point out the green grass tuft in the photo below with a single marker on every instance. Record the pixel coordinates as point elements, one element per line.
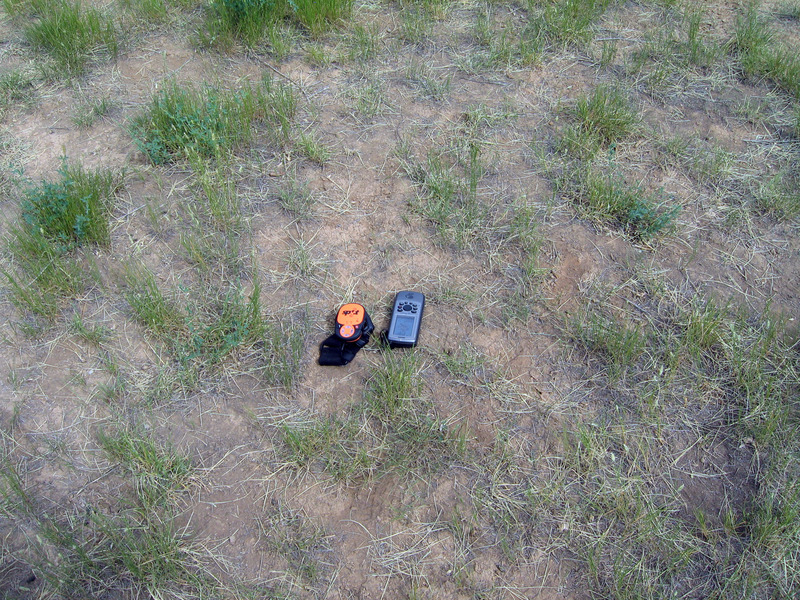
<point>563,23</point>
<point>57,218</point>
<point>158,471</point>
<point>779,196</point>
<point>142,553</point>
<point>181,122</point>
<point>609,199</point>
<point>16,89</point>
<point>602,118</point>
<point>71,33</point>
<point>761,56</point>
<point>297,199</point>
<point>73,210</point>
<point>201,334</point>
<point>252,20</point>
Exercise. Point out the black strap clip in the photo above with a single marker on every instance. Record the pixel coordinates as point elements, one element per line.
<point>352,334</point>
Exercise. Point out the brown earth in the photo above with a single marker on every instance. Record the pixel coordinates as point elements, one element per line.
<point>385,534</point>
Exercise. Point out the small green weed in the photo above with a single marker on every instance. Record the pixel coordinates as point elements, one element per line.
<point>57,218</point>
<point>212,254</point>
<point>448,195</point>
<point>302,543</point>
<point>704,326</point>
<point>797,122</point>
<point>779,196</point>
<point>495,48</point>
<point>318,54</point>
<point>464,364</point>
<point>363,42</point>
<point>13,497</point>
<point>132,551</point>
<point>620,344</point>
<point>391,430</point>
<point>319,15</point>
<point>709,165</point>
<point>201,334</point>
<point>156,311</point>
<point>789,10</point>
<point>220,206</point>
<point>369,99</point>
<point>16,89</point>
<point>284,343</point>
<point>429,83</point>
<point>525,234</point>
<point>304,262</point>
<point>392,383</point>
<point>416,26</point>
<point>313,149</point>
<point>157,11</point>
<point>96,335</point>
<point>150,11</point>
<point>48,275</point>
<point>246,20</point>
<point>672,51</point>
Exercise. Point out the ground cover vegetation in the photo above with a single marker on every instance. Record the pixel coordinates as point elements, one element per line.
<point>599,199</point>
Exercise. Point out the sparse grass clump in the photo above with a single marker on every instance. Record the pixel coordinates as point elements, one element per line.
<point>789,10</point>
<point>73,210</point>
<point>733,370</point>
<point>311,147</point>
<point>602,118</point>
<point>676,53</point>
<point>448,197</point>
<point>392,430</point>
<point>57,218</point>
<point>70,32</point>
<point>297,199</point>
<point>435,86</point>
<point>563,23</point>
<point>16,89</point>
<point>303,544</point>
<point>707,164</point>
<point>181,121</point>
<point>252,20</point>
<point>87,114</point>
<point>779,196</point>
<point>619,344</point>
<point>157,471</point>
<point>761,56</point>
<point>200,334</point>
<point>157,11</point>
<point>608,199</point>
<point>797,122</point>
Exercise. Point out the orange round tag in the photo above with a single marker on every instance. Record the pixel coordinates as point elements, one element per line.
<point>351,314</point>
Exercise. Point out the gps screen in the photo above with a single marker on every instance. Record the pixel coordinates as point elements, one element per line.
<point>403,327</point>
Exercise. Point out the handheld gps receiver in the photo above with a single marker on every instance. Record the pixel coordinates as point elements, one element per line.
<point>406,319</point>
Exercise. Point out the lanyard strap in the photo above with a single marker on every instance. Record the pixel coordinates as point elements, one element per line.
<point>335,351</point>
